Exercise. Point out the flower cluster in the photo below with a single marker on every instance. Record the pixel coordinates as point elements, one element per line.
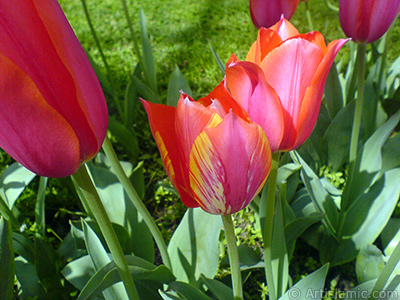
<point>217,151</point>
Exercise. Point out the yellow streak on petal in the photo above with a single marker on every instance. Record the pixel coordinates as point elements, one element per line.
<point>214,121</point>
<point>165,157</point>
<point>207,176</point>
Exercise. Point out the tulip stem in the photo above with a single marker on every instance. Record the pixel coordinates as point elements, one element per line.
<point>359,102</point>
<point>88,189</point>
<point>233,253</point>
<point>137,202</point>
<point>269,224</point>
<point>40,207</point>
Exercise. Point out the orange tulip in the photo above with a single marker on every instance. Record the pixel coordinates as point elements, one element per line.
<point>266,13</point>
<point>365,21</point>
<point>53,115</point>
<point>281,82</point>
<point>213,154</point>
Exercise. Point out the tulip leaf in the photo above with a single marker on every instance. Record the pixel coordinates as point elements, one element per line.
<point>99,258</point>
<point>369,263</point>
<point>144,91</point>
<point>193,248</point>
<point>310,287</point>
<point>217,288</point>
<point>391,154</point>
<point>13,181</point>
<point>130,102</point>
<point>169,296</point>
<point>370,213</point>
<point>29,282</point>
<point>23,246</point>
<point>333,93</point>
<point>188,291</point>
<point>148,59</point>
<point>177,83</point>
<point>295,229</point>
<point>336,140</point>
<point>79,271</point>
<point>368,165</point>
<point>218,60</point>
<point>79,237</point>
<point>322,200</point>
<point>7,267</point>
<point>148,278</point>
<point>126,137</point>
<point>279,254</point>
<point>135,235</point>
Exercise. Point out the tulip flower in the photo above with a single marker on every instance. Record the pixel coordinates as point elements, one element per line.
<point>216,158</point>
<point>53,115</point>
<point>281,83</point>
<point>266,13</point>
<point>365,21</point>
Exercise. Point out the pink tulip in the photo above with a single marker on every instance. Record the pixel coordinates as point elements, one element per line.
<point>53,115</point>
<point>214,156</point>
<point>266,13</point>
<point>365,21</point>
<point>281,83</point>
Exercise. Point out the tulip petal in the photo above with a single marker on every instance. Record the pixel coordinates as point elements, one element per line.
<point>248,85</point>
<point>290,69</point>
<point>312,99</point>
<point>229,165</point>
<point>221,96</point>
<point>50,148</point>
<point>62,73</point>
<point>267,40</point>
<point>285,29</point>
<point>162,124</point>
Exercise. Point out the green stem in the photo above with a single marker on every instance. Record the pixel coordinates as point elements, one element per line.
<point>309,18</point>
<point>130,190</point>
<point>40,207</point>
<point>233,256</point>
<point>359,103</point>
<point>387,271</point>
<point>268,226</point>
<point>85,183</point>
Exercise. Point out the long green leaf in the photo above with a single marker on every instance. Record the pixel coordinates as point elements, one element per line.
<point>194,245</point>
<point>309,287</point>
<point>99,258</point>
<point>177,83</point>
<point>7,267</point>
<point>148,59</point>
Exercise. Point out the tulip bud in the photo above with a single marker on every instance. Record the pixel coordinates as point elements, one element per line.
<point>266,13</point>
<point>365,21</point>
<point>53,115</point>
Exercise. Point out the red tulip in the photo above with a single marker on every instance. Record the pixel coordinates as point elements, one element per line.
<point>282,82</point>
<point>365,21</point>
<point>213,154</point>
<point>266,13</point>
<point>53,115</point>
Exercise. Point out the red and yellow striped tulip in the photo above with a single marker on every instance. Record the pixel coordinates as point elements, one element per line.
<point>216,158</point>
<point>281,83</point>
<point>53,115</point>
